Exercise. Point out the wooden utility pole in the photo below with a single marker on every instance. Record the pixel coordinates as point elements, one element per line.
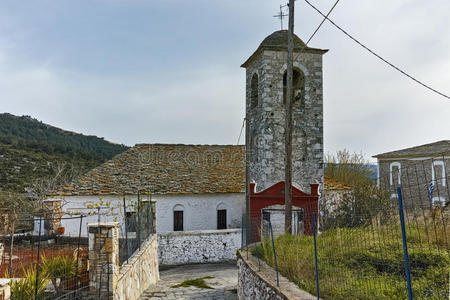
<point>248,147</point>
<point>288,124</point>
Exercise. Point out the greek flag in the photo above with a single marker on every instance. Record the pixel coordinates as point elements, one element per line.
<point>430,190</point>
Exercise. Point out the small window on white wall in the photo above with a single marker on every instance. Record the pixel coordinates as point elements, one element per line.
<point>395,173</point>
<point>438,172</point>
<point>221,216</point>
<point>178,218</point>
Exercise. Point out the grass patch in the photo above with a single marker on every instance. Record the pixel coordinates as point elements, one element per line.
<point>361,263</point>
<point>197,282</point>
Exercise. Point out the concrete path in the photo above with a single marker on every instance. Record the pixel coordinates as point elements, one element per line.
<point>223,283</point>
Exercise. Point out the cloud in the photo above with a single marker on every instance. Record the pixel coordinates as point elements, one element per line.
<point>204,106</point>
<point>136,74</point>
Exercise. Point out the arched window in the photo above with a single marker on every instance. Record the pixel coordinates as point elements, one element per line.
<point>254,91</point>
<point>438,172</point>
<point>395,172</point>
<point>298,86</point>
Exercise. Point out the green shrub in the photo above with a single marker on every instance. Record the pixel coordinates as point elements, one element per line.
<point>59,267</point>
<point>25,288</point>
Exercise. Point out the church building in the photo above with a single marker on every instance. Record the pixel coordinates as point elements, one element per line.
<point>202,187</point>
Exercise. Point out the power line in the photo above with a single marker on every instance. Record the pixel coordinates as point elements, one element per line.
<point>381,58</point>
<point>318,27</point>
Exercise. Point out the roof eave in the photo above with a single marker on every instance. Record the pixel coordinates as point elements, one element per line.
<point>281,48</point>
<point>391,156</point>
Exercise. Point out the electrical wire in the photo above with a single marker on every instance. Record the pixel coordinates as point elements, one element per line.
<point>318,27</point>
<point>240,133</point>
<point>377,55</point>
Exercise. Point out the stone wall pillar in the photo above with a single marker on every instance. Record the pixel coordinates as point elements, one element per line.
<point>4,221</point>
<point>5,291</point>
<point>2,248</point>
<point>53,211</point>
<point>103,259</point>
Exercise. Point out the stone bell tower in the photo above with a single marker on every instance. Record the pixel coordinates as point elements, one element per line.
<point>265,108</point>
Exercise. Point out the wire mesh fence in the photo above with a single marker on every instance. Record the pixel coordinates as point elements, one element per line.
<point>47,256</point>
<point>139,225</point>
<point>43,264</point>
<point>389,241</point>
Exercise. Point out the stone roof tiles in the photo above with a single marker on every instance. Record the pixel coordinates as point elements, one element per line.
<point>166,169</point>
<point>170,169</point>
<point>435,149</point>
<point>278,41</point>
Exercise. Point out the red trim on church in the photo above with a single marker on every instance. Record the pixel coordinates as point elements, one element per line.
<point>275,195</point>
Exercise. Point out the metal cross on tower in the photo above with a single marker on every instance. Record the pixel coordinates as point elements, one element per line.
<point>281,15</point>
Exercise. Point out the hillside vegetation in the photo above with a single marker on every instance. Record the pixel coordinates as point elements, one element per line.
<point>29,149</point>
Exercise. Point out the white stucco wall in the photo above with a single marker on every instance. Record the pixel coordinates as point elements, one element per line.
<point>76,205</point>
<point>200,211</point>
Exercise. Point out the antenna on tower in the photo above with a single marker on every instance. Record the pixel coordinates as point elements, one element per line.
<point>281,15</point>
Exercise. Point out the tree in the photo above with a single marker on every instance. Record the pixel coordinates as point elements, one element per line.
<point>20,207</point>
<point>363,201</point>
<point>62,174</point>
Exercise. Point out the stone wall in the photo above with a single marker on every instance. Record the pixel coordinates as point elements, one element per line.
<point>4,221</point>
<point>139,272</point>
<point>53,211</point>
<point>103,258</point>
<point>5,291</point>
<point>106,281</point>
<point>207,246</point>
<point>414,177</point>
<point>258,281</point>
<point>2,248</point>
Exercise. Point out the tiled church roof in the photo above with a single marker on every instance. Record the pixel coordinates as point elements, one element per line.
<point>170,169</point>
<point>166,169</point>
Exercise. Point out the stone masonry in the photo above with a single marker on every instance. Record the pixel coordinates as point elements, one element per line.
<point>257,280</point>
<point>415,177</point>
<point>5,292</point>
<point>207,246</point>
<point>4,221</point>
<point>2,248</point>
<point>414,169</point>
<point>53,211</point>
<point>266,112</point>
<point>103,259</point>
<point>139,272</point>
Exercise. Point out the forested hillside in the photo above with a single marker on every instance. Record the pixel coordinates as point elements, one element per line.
<point>29,149</point>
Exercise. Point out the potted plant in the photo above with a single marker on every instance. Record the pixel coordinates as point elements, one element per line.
<point>60,230</point>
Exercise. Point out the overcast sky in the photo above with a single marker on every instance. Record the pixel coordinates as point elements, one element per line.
<point>168,71</point>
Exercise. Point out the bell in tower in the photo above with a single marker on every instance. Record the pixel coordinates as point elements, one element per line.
<point>265,110</point>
